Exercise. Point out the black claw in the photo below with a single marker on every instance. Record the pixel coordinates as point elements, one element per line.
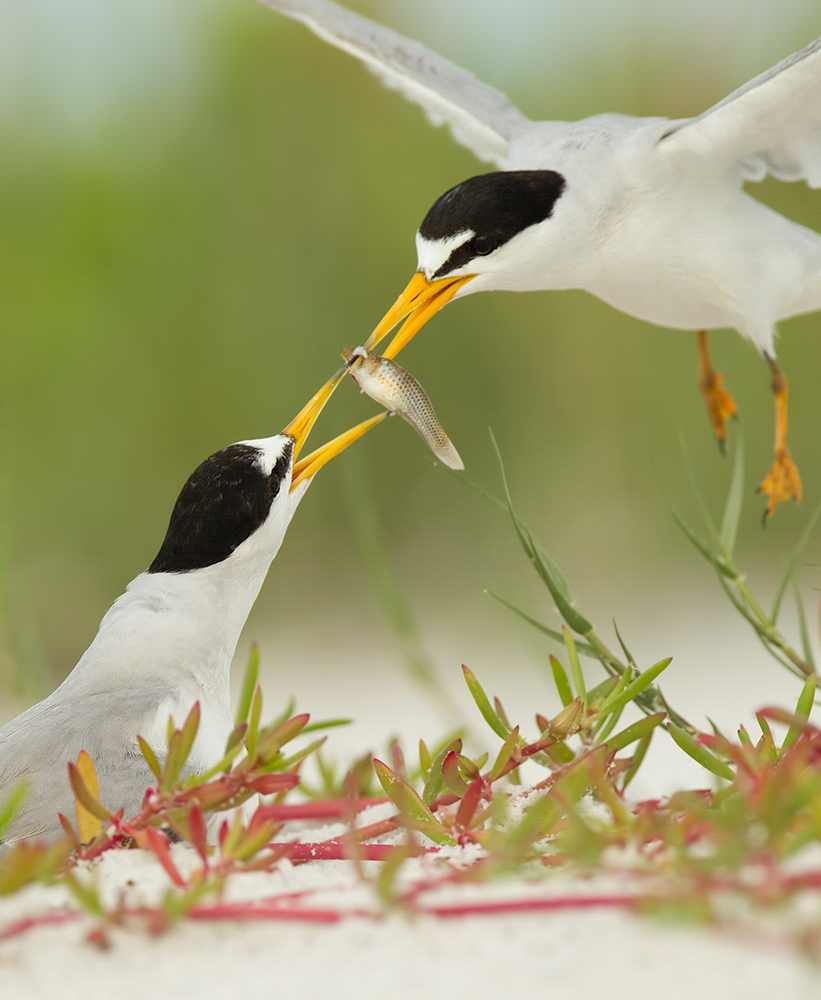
<point>765,517</point>
<point>722,445</point>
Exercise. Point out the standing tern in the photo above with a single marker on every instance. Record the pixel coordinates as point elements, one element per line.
<point>168,641</point>
<point>648,214</point>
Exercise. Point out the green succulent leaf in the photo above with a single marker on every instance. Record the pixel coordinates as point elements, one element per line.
<point>179,747</point>
<point>409,803</point>
<point>637,731</point>
<point>561,681</point>
<point>433,783</point>
<point>802,711</point>
<point>249,683</point>
<point>638,758</point>
<point>701,755</point>
<point>504,755</point>
<point>483,704</point>
<point>575,666</point>
<point>150,757</point>
<point>636,687</point>
<point>11,804</point>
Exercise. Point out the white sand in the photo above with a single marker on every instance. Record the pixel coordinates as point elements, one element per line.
<point>559,953</point>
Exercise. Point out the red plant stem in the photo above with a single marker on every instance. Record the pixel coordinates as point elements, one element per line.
<point>525,753</point>
<point>271,908</point>
<point>444,800</point>
<point>804,880</point>
<point>529,905</point>
<point>45,920</point>
<point>560,772</point>
<point>374,830</point>
<point>326,809</point>
<point>251,911</point>
<point>337,850</point>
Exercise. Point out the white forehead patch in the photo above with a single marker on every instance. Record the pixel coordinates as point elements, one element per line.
<point>432,254</point>
<point>270,450</point>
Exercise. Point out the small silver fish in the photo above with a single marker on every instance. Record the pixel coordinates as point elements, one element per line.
<point>399,392</point>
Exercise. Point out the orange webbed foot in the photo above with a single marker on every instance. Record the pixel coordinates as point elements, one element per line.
<point>782,483</point>
<point>720,406</point>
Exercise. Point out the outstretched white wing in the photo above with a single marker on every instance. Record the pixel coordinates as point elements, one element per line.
<point>770,125</point>
<point>480,117</point>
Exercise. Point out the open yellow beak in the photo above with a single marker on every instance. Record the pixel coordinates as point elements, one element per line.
<point>307,467</point>
<point>420,300</point>
<point>301,425</point>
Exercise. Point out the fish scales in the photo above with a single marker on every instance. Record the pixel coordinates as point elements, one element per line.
<point>398,391</point>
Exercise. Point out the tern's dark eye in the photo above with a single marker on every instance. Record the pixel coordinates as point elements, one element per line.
<point>483,245</point>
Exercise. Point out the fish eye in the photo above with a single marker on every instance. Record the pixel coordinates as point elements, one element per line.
<point>483,245</point>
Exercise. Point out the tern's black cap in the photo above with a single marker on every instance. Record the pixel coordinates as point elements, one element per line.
<point>495,207</point>
<point>226,499</point>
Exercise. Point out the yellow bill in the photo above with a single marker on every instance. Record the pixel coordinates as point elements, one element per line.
<point>300,427</point>
<point>307,467</point>
<point>420,300</point>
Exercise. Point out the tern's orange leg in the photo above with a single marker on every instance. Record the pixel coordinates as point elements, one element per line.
<point>783,481</point>
<point>720,403</point>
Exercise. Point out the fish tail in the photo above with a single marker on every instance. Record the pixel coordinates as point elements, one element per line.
<point>449,456</point>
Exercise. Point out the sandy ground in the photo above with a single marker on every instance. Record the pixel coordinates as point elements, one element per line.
<point>566,952</point>
<point>573,954</point>
<point>593,951</point>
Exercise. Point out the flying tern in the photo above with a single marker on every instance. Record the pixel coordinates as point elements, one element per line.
<point>648,214</point>
<point>168,641</point>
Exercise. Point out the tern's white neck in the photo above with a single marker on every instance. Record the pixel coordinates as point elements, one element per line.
<point>180,630</point>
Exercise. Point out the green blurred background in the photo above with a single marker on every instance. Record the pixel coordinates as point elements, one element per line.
<point>201,203</point>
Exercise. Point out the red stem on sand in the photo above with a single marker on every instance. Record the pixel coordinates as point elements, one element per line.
<point>326,809</point>
<point>270,908</point>
<point>27,924</point>
<point>336,850</point>
<point>529,905</point>
<point>253,911</point>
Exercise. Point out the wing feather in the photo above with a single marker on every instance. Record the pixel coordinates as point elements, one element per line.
<point>770,125</point>
<point>480,118</point>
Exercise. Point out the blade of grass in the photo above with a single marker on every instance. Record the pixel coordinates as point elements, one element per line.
<point>627,654</point>
<point>583,647</point>
<point>385,585</point>
<point>544,565</point>
<point>789,569</point>
<point>557,585</point>
<point>735,499</point>
<point>702,507</point>
<point>806,645</point>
